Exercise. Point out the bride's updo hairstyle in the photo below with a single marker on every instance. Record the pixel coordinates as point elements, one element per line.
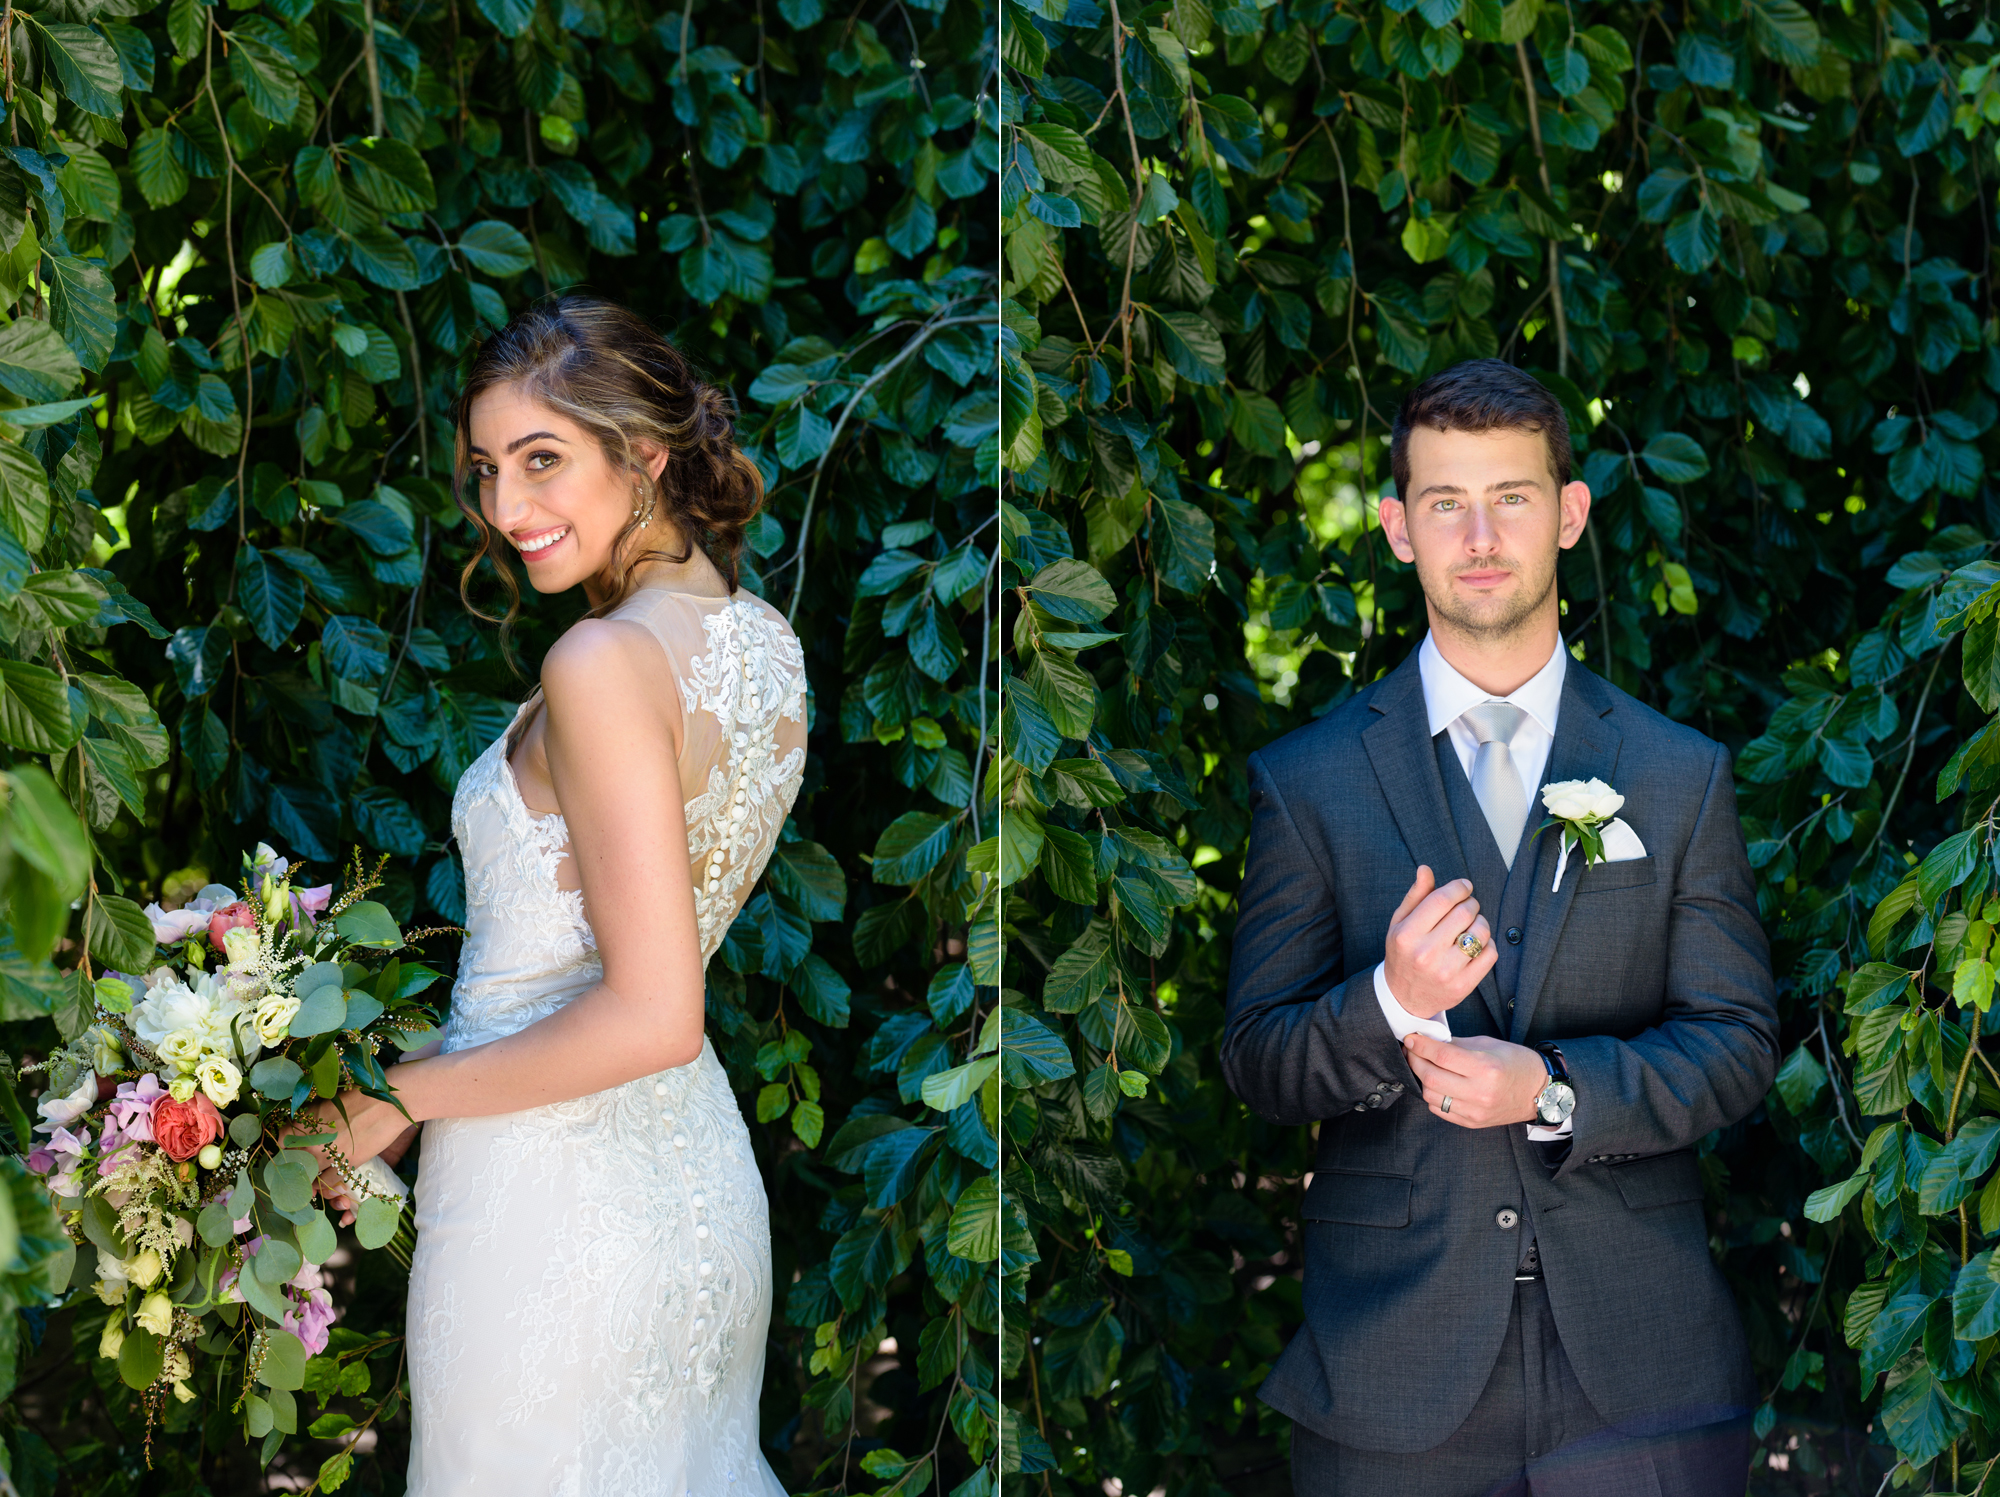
<point>602,366</point>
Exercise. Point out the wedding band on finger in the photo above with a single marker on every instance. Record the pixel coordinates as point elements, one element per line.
<point>1445,1105</point>
<point>1471,945</point>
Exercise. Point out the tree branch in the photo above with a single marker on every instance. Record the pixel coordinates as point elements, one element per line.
<point>1542,160</point>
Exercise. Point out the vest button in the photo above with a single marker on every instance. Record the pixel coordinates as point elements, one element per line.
<point>1513,935</point>
<point>1507,1219</point>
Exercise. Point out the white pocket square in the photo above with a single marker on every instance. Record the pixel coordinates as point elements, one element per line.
<point>1621,842</point>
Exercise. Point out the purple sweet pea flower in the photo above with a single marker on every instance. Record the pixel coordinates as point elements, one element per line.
<point>173,926</point>
<point>311,1320</point>
<point>132,1109</point>
<point>68,1150</point>
<point>311,1315</point>
<point>58,1112</point>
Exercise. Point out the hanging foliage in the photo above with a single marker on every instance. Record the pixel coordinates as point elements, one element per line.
<point>243,251</point>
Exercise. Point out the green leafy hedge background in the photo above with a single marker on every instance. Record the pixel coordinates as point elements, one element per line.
<point>244,248</point>
<point>1750,244</point>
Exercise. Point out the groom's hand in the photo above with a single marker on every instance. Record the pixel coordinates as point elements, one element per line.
<point>1490,1082</point>
<point>1427,969</point>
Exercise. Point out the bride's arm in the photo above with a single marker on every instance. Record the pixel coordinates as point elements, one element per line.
<point>612,742</point>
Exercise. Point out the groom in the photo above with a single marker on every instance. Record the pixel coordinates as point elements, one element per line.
<point>1507,1277</point>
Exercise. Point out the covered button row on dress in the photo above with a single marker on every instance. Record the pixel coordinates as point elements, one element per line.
<point>703,1295</point>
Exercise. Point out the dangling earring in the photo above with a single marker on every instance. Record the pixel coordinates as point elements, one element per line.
<point>646,518</point>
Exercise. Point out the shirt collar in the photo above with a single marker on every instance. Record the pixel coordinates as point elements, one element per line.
<point>1447,694</point>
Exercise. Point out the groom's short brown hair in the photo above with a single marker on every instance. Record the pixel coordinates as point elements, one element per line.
<point>1479,395</point>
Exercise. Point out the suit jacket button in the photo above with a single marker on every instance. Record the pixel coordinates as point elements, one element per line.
<point>1507,1219</point>
<point>1513,935</point>
<point>1374,1099</point>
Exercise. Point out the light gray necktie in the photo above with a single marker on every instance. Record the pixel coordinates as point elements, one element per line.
<point>1495,781</point>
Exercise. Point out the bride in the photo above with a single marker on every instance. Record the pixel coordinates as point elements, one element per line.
<point>592,1280</point>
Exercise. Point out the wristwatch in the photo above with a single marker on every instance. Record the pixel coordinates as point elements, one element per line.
<point>1557,1100</point>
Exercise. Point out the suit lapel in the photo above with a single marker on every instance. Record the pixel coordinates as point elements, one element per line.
<point>1586,747</point>
<point>1405,761</point>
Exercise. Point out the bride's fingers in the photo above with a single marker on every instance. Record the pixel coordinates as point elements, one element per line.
<point>333,1190</point>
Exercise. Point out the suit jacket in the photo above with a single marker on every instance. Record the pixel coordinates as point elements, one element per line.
<point>1654,976</point>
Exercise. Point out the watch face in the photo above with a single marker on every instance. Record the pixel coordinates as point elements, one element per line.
<point>1555,1104</point>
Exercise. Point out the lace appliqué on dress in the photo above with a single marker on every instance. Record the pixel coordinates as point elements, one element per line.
<point>752,673</point>
<point>528,920</point>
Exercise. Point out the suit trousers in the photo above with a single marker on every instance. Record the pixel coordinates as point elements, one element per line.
<point>1533,1433</point>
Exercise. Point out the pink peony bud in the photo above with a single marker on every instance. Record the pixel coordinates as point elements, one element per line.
<point>229,917</point>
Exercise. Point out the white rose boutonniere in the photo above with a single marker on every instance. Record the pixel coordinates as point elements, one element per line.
<point>1582,808</point>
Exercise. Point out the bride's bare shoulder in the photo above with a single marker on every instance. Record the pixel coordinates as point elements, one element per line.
<point>606,666</point>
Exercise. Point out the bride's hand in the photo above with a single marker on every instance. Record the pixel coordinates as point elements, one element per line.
<point>399,1146</point>
<point>371,1127</point>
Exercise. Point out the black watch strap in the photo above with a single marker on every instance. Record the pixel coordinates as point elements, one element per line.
<point>1553,1059</point>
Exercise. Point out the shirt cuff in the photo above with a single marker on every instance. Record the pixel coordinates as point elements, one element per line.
<point>1403,1023</point>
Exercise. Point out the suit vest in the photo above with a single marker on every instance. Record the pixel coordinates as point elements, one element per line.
<point>1503,896</point>
<point>1503,893</point>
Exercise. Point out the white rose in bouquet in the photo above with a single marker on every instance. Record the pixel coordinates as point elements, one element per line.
<point>274,1017</point>
<point>181,1049</point>
<point>219,1079</point>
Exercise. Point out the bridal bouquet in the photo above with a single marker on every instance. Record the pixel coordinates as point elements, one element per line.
<point>175,1134</point>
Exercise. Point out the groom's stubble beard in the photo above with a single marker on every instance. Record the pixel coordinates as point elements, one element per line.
<point>1507,617</point>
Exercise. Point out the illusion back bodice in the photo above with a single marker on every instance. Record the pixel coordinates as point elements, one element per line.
<point>739,676</point>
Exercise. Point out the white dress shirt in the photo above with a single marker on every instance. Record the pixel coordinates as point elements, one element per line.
<point>1447,696</point>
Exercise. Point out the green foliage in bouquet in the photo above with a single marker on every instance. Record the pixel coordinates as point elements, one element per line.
<point>243,249</point>
<point>177,1130</point>
<point>1750,246</point>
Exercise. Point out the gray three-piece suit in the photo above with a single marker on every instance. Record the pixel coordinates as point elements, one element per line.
<point>1467,1291</point>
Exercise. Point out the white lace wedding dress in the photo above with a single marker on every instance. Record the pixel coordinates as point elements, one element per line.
<point>592,1279</point>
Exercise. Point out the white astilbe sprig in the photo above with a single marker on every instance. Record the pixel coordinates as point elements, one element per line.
<point>274,965</point>
<point>145,1189</point>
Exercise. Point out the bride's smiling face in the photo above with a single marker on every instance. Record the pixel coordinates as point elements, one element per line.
<point>549,487</point>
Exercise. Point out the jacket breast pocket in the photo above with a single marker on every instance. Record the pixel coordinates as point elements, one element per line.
<point>1658,1180</point>
<point>1357,1199</point>
<point>1627,873</point>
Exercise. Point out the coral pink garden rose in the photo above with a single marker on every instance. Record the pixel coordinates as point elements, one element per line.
<point>184,1128</point>
<point>229,917</point>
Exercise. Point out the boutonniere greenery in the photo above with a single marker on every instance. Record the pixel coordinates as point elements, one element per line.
<point>1582,808</point>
